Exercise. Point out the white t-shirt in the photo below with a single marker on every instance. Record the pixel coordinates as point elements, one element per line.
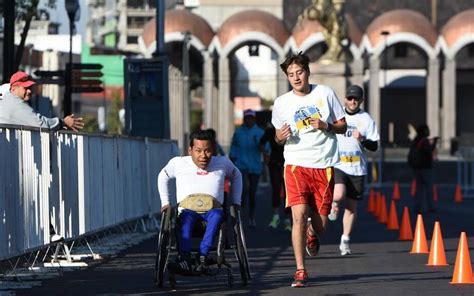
<point>308,147</point>
<point>353,158</point>
<point>190,179</point>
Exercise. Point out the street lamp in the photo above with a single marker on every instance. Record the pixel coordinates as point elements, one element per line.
<point>385,56</point>
<point>385,62</point>
<point>186,88</point>
<point>72,7</point>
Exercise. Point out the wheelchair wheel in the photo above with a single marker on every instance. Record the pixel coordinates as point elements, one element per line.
<point>163,249</point>
<point>241,248</point>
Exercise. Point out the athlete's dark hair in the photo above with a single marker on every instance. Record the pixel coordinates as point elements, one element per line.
<point>203,135</point>
<point>300,59</point>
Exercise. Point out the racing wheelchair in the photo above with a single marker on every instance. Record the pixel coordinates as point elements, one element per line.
<point>167,243</point>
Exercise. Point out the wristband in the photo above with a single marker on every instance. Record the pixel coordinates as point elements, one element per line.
<point>329,127</point>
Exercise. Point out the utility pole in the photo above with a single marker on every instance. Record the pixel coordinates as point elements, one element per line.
<point>186,93</point>
<point>160,54</point>
<point>72,7</point>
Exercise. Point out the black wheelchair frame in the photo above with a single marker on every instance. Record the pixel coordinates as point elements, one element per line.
<point>167,242</point>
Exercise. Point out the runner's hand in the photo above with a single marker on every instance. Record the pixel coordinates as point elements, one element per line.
<point>283,133</point>
<point>317,123</point>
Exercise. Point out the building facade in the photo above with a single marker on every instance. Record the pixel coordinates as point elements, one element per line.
<point>414,74</point>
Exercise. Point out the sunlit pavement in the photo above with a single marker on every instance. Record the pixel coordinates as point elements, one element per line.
<point>379,263</point>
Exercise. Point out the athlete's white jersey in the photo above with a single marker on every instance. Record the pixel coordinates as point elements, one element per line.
<point>353,157</point>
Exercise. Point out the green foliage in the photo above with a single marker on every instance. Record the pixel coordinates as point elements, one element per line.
<point>114,126</point>
<point>91,125</point>
<point>26,11</point>
<point>30,8</point>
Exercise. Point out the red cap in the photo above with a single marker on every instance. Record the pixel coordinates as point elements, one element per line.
<point>22,79</point>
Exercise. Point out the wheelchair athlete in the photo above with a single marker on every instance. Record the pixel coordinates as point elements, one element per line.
<point>199,181</point>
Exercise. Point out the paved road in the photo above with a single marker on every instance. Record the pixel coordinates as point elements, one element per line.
<point>380,264</point>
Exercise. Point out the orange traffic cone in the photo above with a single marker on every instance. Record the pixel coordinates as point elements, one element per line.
<point>462,269</point>
<point>435,193</point>
<point>396,191</point>
<point>413,187</point>
<point>392,223</point>
<point>405,230</point>
<point>437,254</point>
<point>458,194</point>
<point>420,246</point>
<point>371,203</point>
<point>377,202</point>
<point>383,216</point>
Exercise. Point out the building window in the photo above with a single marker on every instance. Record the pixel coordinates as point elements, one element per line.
<point>401,50</point>
<point>132,39</point>
<point>136,22</point>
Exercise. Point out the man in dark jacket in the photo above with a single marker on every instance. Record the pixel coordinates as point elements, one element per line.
<point>420,158</point>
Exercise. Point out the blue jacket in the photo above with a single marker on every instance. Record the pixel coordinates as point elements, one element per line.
<point>245,151</point>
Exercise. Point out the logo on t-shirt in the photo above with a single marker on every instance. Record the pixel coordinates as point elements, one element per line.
<point>302,118</point>
<point>350,129</point>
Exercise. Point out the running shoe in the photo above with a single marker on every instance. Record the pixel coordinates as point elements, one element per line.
<point>334,211</point>
<point>301,276</point>
<point>312,244</point>
<point>275,221</point>
<point>344,247</point>
<point>202,267</point>
<point>182,265</point>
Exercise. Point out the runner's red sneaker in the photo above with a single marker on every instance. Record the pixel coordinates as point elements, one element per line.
<point>300,279</point>
<point>312,244</point>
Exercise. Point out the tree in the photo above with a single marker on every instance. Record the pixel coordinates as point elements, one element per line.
<point>27,10</point>
<point>114,126</point>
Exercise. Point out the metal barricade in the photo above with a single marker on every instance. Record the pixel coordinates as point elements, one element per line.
<point>78,183</point>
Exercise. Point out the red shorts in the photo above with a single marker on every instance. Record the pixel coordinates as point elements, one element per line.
<point>314,187</point>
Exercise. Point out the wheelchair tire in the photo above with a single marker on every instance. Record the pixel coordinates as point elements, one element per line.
<point>241,250</point>
<point>163,248</point>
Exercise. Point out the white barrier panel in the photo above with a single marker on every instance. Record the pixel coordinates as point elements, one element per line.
<point>78,183</point>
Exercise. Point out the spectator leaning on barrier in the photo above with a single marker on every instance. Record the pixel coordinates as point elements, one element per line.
<point>14,108</point>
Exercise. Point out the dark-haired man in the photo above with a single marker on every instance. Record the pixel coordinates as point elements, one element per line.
<point>306,121</point>
<point>199,181</point>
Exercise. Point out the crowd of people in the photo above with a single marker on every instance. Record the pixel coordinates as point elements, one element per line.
<point>316,157</point>
<point>315,150</point>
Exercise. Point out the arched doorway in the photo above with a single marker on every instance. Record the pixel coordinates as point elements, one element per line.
<point>403,92</point>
